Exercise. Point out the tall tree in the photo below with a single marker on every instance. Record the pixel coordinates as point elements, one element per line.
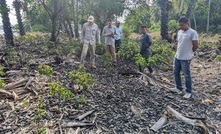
<point>164,18</point>
<point>17,6</point>
<point>190,7</point>
<point>75,8</point>
<point>6,23</point>
<point>103,9</point>
<point>53,14</point>
<point>208,18</point>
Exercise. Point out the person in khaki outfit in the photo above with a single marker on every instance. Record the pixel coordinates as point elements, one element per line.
<point>89,33</point>
<point>109,33</point>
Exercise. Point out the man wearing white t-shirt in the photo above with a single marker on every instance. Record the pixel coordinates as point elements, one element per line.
<point>187,44</point>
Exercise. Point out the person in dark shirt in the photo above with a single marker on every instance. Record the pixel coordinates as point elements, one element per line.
<point>145,43</point>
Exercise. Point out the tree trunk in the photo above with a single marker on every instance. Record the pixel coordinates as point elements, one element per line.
<point>71,30</point>
<point>194,19</point>
<point>65,17</point>
<point>76,20</point>
<point>164,19</point>
<point>53,32</point>
<point>190,7</point>
<point>6,23</point>
<point>17,6</point>
<point>207,28</point>
<point>82,9</point>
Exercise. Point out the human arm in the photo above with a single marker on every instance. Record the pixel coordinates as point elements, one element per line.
<point>195,41</point>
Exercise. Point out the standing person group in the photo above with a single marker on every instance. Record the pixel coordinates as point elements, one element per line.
<point>187,44</point>
<point>91,34</point>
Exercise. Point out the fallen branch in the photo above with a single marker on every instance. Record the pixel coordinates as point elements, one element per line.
<point>27,86</point>
<point>77,124</point>
<point>9,94</point>
<point>194,122</point>
<point>85,115</point>
<point>147,80</point>
<point>15,84</point>
<point>159,124</point>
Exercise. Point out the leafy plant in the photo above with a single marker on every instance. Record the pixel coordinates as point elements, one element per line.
<point>140,61</point>
<point>11,54</point>
<point>82,100</point>
<point>59,90</point>
<point>80,77</point>
<point>2,83</point>
<point>40,111</point>
<point>24,103</point>
<point>106,60</point>
<point>1,71</point>
<point>218,58</point>
<point>173,25</point>
<point>45,70</point>
<point>129,49</point>
<point>41,131</point>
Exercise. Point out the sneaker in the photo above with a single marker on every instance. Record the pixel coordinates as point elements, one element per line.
<point>187,95</point>
<point>93,67</point>
<point>175,90</point>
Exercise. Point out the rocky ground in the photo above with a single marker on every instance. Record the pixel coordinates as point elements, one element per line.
<point>119,103</point>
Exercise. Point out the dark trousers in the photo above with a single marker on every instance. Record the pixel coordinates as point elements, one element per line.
<point>117,45</point>
<point>149,67</point>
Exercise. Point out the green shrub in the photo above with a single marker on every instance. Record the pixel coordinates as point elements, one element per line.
<point>82,100</point>
<point>218,58</point>
<point>129,49</point>
<point>126,31</point>
<point>173,25</point>
<point>45,70</point>
<point>106,59</point>
<point>155,27</point>
<point>80,77</point>
<point>39,28</point>
<point>57,88</point>
<point>140,61</point>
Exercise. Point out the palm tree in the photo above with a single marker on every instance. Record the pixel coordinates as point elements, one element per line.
<point>190,7</point>
<point>17,6</point>
<point>207,28</point>
<point>164,18</point>
<point>6,23</point>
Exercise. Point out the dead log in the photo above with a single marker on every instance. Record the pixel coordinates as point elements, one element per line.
<point>85,115</point>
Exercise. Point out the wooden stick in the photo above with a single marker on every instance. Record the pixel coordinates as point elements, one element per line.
<point>85,115</point>
<point>9,94</point>
<point>159,124</point>
<point>77,124</point>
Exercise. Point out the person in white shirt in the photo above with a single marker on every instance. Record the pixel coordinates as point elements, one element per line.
<point>187,44</point>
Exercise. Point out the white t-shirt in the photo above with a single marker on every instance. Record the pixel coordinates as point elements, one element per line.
<point>185,45</point>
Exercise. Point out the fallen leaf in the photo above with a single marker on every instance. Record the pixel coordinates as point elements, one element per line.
<point>165,79</point>
<point>207,101</point>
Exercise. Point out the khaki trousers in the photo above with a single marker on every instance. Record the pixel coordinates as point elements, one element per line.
<point>84,54</point>
<point>111,50</point>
